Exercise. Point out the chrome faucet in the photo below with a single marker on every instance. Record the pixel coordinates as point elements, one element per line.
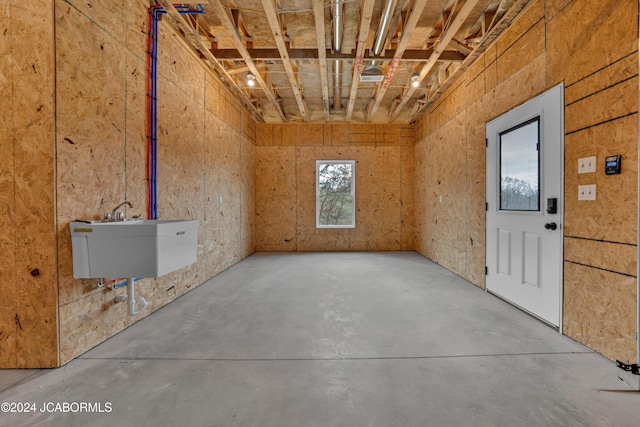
<point>111,216</point>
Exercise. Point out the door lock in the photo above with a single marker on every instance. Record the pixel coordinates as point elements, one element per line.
<point>551,226</point>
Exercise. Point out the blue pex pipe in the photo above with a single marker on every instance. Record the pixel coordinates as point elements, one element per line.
<point>125,283</point>
<point>152,167</point>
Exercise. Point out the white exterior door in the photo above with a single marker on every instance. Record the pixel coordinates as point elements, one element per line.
<point>524,182</point>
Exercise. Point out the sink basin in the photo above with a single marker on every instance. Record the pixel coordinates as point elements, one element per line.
<point>132,248</point>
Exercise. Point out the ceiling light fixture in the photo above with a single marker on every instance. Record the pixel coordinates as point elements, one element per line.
<point>415,79</point>
<point>251,79</point>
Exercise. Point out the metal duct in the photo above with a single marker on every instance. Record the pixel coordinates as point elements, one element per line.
<point>337,80</point>
<point>373,73</point>
<point>383,27</point>
<point>337,12</point>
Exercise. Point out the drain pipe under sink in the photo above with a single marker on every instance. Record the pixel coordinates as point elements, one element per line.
<point>132,299</point>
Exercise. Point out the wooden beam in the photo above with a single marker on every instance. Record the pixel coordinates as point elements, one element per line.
<point>192,37</point>
<point>515,7</point>
<point>227,22</point>
<point>276,30</point>
<point>366,13</point>
<point>269,54</point>
<point>438,49</point>
<point>502,9</point>
<point>243,69</point>
<point>407,30</point>
<point>208,33</point>
<point>318,13</point>
<point>460,47</point>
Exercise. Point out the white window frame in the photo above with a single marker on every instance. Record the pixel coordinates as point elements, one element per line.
<point>353,192</point>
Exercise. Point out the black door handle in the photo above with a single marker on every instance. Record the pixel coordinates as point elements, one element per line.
<point>551,226</point>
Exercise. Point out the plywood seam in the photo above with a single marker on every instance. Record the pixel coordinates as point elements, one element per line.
<point>480,74</point>
<point>431,112</point>
<point>467,252</point>
<point>602,69</point>
<point>104,30</point>
<point>461,81</point>
<point>85,295</point>
<point>201,103</point>
<point>402,208</point>
<point>526,32</point>
<point>600,268</point>
<point>602,90</point>
<point>12,313</point>
<point>297,190</point>
<point>558,12</point>
<point>600,240</point>
<point>601,123</point>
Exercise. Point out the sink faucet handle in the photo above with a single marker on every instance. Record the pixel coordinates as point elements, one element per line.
<point>119,216</point>
<point>107,217</point>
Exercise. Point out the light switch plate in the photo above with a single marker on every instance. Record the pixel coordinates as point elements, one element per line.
<point>587,192</point>
<point>587,164</point>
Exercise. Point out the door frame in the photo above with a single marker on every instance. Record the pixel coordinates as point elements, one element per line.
<point>561,203</point>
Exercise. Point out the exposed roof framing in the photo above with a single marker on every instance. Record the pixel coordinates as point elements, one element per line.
<point>192,37</point>
<point>445,37</point>
<point>229,24</point>
<point>407,30</point>
<point>514,8</point>
<point>366,13</point>
<point>292,63</point>
<point>318,14</point>
<point>277,31</point>
<point>410,55</point>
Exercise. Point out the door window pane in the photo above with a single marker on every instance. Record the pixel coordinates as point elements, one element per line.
<point>520,167</point>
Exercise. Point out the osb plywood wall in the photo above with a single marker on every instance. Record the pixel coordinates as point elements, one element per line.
<point>206,157</point>
<point>28,290</point>
<point>285,179</point>
<point>552,42</point>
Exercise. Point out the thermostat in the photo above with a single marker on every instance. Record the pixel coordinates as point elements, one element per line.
<point>613,165</point>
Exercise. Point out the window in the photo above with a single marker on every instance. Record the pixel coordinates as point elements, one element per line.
<point>519,167</point>
<point>335,194</point>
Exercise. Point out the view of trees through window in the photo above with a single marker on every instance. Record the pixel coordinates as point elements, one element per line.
<point>518,195</point>
<point>335,195</point>
<point>519,167</point>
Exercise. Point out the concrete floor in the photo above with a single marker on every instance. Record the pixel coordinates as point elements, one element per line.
<point>332,339</point>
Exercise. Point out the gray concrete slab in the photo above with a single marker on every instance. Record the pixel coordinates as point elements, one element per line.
<point>11,377</point>
<point>333,339</point>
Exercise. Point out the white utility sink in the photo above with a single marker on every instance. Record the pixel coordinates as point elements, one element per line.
<point>132,248</point>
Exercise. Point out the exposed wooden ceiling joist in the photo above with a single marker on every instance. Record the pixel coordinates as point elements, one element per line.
<point>192,36</point>
<point>407,31</point>
<point>366,13</point>
<point>460,47</point>
<point>444,40</point>
<point>506,17</point>
<point>227,22</point>
<point>318,14</point>
<point>242,36</point>
<point>277,31</point>
<point>266,54</point>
